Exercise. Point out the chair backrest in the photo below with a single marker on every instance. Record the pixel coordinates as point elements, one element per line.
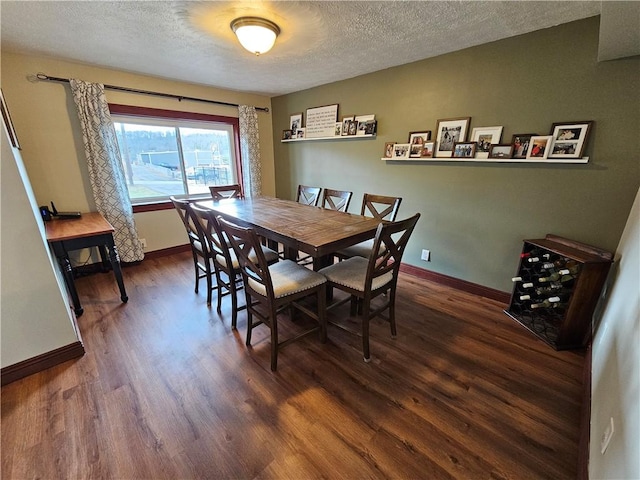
<point>336,199</point>
<point>308,195</point>
<point>184,209</point>
<point>220,192</point>
<point>253,264</point>
<point>380,207</point>
<point>206,222</point>
<point>389,243</point>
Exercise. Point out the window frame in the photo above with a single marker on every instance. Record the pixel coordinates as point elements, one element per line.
<point>148,112</point>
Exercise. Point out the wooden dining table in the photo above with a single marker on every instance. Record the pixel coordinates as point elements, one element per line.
<point>316,231</point>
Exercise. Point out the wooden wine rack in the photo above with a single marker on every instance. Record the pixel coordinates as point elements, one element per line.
<point>565,325</point>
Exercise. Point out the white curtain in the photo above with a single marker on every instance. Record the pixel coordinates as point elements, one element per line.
<point>250,151</point>
<point>105,167</point>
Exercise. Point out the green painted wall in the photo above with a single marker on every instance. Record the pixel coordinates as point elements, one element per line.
<point>475,216</point>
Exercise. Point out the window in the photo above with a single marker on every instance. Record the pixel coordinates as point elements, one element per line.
<point>168,153</point>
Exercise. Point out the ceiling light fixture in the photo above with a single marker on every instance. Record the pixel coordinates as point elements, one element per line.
<point>255,34</point>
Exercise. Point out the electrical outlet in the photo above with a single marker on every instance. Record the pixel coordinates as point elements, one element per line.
<point>143,242</point>
<point>426,255</point>
<point>606,437</point>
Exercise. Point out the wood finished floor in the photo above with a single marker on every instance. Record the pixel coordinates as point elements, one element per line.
<point>167,390</point>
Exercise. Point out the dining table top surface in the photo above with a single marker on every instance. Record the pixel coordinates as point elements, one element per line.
<point>313,230</point>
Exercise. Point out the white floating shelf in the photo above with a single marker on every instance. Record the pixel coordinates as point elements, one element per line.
<point>488,160</point>
<point>335,137</point>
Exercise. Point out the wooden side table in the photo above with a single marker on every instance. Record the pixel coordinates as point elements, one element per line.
<point>90,230</point>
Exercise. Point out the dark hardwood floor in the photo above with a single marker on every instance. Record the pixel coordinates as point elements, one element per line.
<point>168,390</point>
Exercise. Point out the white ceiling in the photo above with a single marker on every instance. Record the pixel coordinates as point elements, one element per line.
<point>321,41</point>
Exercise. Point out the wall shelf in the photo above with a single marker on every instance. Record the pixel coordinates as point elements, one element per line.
<point>335,137</point>
<point>488,160</point>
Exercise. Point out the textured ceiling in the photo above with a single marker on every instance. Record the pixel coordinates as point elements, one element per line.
<point>321,41</point>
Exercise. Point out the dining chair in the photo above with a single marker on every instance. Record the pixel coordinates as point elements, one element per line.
<point>336,199</point>
<point>377,206</point>
<point>225,261</point>
<point>202,261</point>
<point>308,195</point>
<point>220,192</point>
<point>270,289</point>
<point>365,279</point>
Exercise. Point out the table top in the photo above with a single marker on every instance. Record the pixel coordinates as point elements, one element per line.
<point>88,225</point>
<point>313,230</point>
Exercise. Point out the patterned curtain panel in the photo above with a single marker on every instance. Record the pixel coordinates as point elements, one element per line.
<point>105,167</point>
<point>250,151</point>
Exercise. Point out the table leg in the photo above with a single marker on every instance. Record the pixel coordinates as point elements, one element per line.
<point>67,273</point>
<point>115,265</point>
<point>104,258</point>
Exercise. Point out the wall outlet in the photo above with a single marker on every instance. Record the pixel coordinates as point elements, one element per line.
<point>426,255</point>
<point>606,437</point>
<point>143,242</point>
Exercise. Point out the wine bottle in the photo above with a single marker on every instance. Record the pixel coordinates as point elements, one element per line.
<point>525,297</point>
<point>516,279</point>
<point>551,302</point>
<point>527,285</point>
<point>551,288</point>
<point>555,277</point>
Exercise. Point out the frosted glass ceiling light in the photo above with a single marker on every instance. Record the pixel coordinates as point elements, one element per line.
<point>255,34</point>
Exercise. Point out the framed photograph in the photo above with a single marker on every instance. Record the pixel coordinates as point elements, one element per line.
<point>427,150</point>
<point>361,121</point>
<point>370,127</point>
<point>401,151</point>
<point>287,134</point>
<point>6,118</point>
<point>464,149</point>
<point>417,140</point>
<point>485,137</point>
<point>539,147</point>
<point>321,121</point>
<point>388,150</point>
<point>502,150</point>
<point>346,123</point>
<point>299,133</point>
<point>448,132</point>
<point>295,122</point>
<point>520,142</point>
<point>338,130</point>
<point>569,139</point>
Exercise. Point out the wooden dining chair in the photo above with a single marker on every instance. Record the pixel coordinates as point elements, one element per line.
<point>220,192</point>
<point>308,195</point>
<point>336,199</point>
<point>377,206</point>
<point>225,261</point>
<point>269,289</point>
<point>202,260</point>
<point>365,279</point>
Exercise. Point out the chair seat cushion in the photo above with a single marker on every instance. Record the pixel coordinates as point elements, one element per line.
<point>362,249</point>
<point>269,255</point>
<point>352,274</point>
<point>288,278</point>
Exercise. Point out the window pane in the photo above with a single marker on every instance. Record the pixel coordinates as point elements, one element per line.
<point>151,160</point>
<point>208,157</point>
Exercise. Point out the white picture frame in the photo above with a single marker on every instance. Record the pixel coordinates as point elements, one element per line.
<point>484,138</point>
<point>401,151</point>
<point>539,147</point>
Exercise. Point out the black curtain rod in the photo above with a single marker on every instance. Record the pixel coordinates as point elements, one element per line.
<point>42,76</point>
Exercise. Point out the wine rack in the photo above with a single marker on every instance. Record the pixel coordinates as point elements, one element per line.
<point>556,289</point>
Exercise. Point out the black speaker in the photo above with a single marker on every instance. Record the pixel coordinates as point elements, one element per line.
<point>45,212</point>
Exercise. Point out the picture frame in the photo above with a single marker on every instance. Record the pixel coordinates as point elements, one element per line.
<point>520,142</point>
<point>417,140</point>
<point>401,151</point>
<point>299,133</point>
<point>501,151</point>
<point>464,149</point>
<point>485,137</point>
<point>427,150</point>
<point>346,123</point>
<point>362,121</point>
<point>370,127</point>
<point>569,139</point>
<point>8,123</point>
<point>295,122</point>
<point>448,132</point>
<point>321,121</point>
<point>287,135</point>
<point>388,150</point>
<point>539,147</point>
<point>338,130</point>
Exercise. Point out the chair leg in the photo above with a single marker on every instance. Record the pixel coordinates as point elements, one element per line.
<point>234,303</point>
<point>219,292</point>
<point>274,341</point>
<point>365,332</point>
<point>249,326</point>
<point>392,312</point>
<point>322,312</point>
<point>209,287</point>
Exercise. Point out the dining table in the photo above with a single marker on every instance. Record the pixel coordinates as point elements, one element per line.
<point>316,231</point>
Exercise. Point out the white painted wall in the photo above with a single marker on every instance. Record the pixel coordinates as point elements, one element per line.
<point>616,365</point>
<point>34,309</point>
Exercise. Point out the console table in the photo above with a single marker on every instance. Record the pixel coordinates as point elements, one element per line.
<point>90,230</point>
